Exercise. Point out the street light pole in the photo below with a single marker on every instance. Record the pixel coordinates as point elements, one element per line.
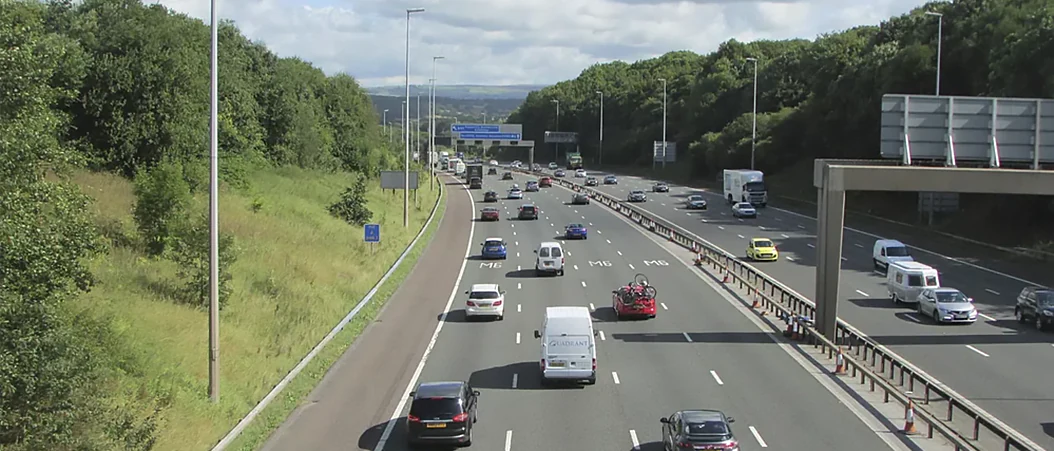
<point>556,145</point>
<point>600,149</point>
<point>663,80</point>
<point>214,214</point>
<point>940,31</point>
<point>417,129</point>
<point>432,122</point>
<point>754,120</point>
<point>406,157</point>
<point>384,123</point>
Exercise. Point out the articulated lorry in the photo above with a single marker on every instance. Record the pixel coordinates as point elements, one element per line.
<point>744,185</point>
<point>574,160</point>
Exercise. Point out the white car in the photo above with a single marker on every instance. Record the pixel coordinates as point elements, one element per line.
<point>553,166</point>
<point>580,173</point>
<point>493,162</point>
<point>744,210</point>
<point>515,193</point>
<point>485,300</point>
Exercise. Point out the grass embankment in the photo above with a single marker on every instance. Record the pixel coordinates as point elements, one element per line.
<point>298,272</point>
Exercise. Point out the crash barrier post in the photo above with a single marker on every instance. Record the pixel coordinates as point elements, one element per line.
<point>871,361</point>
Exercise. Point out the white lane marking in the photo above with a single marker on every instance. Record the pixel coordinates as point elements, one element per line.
<point>508,439</point>
<point>784,235</point>
<point>741,237</point>
<point>609,241</point>
<point>591,224</point>
<point>592,307</point>
<point>705,220</point>
<point>663,304</point>
<point>583,284</point>
<point>810,245</point>
<point>552,225</point>
<point>513,233</point>
<point>516,243</point>
<point>913,318</point>
<point>662,204</point>
<point>517,338</point>
<point>778,218</point>
<point>515,380</point>
<point>519,268</point>
<point>583,217</point>
<point>863,294</point>
<point>977,350</point>
<point>599,231</point>
<point>687,337</point>
<point>740,219</point>
<point>619,252</point>
<point>721,227</point>
<point>717,378</point>
<point>513,225</point>
<point>801,227</point>
<point>576,267</point>
<point>992,291</point>
<point>687,214</point>
<point>845,259</point>
<point>602,337</point>
<point>431,342</point>
<point>519,286</point>
<point>563,242</point>
<point>723,214</point>
<point>614,376</point>
<point>568,253</point>
<point>982,315</point>
<point>757,436</point>
<point>858,245</point>
<point>633,439</point>
<point>789,258</point>
<point>631,266</point>
<point>519,308</point>
<point>517,254</point>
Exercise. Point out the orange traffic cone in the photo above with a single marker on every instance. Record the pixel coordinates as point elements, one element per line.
<point>839,363</point>
<point>909,418</point>
<point>790,329</point>
<point>796,332</point>
<point>724,275</point>
<point>757,303</point>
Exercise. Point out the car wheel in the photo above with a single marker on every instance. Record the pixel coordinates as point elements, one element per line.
<point>591,381</point>
<point>896,301</point>
<point>1020,315</point>
<point>561,273</point>
<point>468,440</point>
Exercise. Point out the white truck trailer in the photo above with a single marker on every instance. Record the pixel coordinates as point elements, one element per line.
<point>744,185</point>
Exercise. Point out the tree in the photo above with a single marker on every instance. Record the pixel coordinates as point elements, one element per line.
<point>162,196</point>
<point>190,251</point>
<point>353,206</point>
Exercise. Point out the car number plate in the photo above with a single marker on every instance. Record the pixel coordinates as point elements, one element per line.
<point>435,425</point>
<point>484,305</point>
<point>558,364</point>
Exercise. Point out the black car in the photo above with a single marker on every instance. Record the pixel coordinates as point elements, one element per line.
<point>528,211</point>
<point>490,196</point>
<point>698,429</point>
<point>475,183</point>
<point>695,202</point>
<point>441,413</point>
<point>660,187</point>
<point>506,176</point>
<point>580,199</point>
<point>492,171</point>
<point>1035,304</point>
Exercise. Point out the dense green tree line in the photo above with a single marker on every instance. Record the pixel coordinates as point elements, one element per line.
<point>120,86</point>
<point>816,98</point>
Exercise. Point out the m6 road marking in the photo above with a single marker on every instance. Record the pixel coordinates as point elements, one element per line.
<point>656,263</point>
<point>598,263</point>
<point>491,265</point>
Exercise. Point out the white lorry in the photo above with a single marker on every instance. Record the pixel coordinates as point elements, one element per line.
<point>744,185</point>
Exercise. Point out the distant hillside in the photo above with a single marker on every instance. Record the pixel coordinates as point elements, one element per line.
<point>465,92</point>
<point>464,110</point>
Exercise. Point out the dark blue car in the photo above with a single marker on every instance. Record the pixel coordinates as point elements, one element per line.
<point>576,231</point>
<point>494,248</point>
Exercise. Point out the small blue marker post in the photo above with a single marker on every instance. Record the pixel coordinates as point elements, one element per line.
<point>372,234</point>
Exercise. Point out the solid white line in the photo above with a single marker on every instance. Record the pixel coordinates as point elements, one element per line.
<point>757,436</point>
<point>741,237</point>
<point>663,304</point>
<point>576,267</point>
<point>687,337</point>
<point>592,307</point>
<point>863,294</point>
<point>583,284</point>
<point>633,439</point>
<point>517,338</point>
<point>614,376</point>
<point>518,308</point>
<point>717,378</point>
<point>913,318</point>
<point>784,235</point>
<point>508,440</point>
<point>982,315</point>
<point>631,266</point>
<point>977,350</point>
<point>992,291</point>
<point>619,252</point>
<point>431,342</point>
<point>515,379</point>
<point>602,337</point>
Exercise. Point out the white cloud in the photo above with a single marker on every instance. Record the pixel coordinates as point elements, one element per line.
<point>517,41</point>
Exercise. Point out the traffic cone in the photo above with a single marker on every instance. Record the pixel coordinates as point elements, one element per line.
<point>757,303</point>
<point>839,363</point>
<point>796,332</point>
<point>909,418</point>
<point>671,235</point>
<point>790,328</point>
<point>724,272</point>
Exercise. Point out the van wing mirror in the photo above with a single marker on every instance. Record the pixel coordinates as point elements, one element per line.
<point>596,333</point>
<point>731,420</point>
<point>475,392</point>
<point>413,393</point>
<point>664,420</point>
<point>537,334</point>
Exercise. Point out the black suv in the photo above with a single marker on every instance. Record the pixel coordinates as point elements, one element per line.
<point>1035,304</point>
<point>441,413</point>
<point>528,211</point>
<point>506,176</point>
<point>492,171</point>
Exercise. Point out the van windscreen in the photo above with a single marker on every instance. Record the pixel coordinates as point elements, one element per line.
<point>897,251</point>
<point>914,281</point>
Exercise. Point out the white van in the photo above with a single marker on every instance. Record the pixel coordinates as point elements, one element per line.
<point>569,347</point>
<point>888,251</point>
<point>905,280</point>
<point>550,259</point>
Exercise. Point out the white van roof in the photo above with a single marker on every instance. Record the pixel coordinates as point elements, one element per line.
<point>891,243</point>
<point>551,244</point>
<point>912,266</point>
<point>567,312</point>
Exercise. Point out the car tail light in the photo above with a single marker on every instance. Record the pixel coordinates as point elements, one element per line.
<point>543,365</point>
<point>461,417</point>
<point>497,303</point>
<point>684,445</point>
<point>470,304</point>
<point>412,419</point>
<point>594,364</point>
<point>561,260</point>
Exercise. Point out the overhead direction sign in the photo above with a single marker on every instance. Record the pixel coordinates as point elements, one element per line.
<point>491,136</point>
<point>561,137</point>
<point>671,151</point>
<point>487,132</point>
<point>475,128</point>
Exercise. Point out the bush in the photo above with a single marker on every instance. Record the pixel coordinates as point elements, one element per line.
<point>162,194</point>
<point>352,206</point>
<point>190,250</point>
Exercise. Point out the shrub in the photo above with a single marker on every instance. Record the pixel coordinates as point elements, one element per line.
<point>190,250</point>
<point>162,194</point>
<point>352,206</point>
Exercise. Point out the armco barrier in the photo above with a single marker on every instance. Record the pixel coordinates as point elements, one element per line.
<point>887,371</point>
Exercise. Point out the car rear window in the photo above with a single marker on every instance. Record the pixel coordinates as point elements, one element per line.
<point>528,209</point>
<point>483,295</point>
<point>431,408</point>
<point>557,252</point>
<point>493,243</point>
<point>706,428</point>
<point>543,252</point>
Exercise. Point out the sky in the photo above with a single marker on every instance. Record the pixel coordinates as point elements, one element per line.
<point>502,42</point>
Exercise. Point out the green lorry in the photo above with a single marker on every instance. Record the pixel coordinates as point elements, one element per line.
<point>574,160</point>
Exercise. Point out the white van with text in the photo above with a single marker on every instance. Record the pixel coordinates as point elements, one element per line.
<point>569,348</point>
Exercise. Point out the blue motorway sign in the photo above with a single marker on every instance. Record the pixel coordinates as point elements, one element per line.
<point>373,233</point>
<point>491,136</point>
<point>475,128</point>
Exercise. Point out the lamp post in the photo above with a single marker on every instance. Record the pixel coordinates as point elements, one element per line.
<point>432,123</point>
<point>754,120</point>
<point>384,123</point>
<point>214,213</point>
<point>556,153</point>
<point>417,129</point>
<point>663,80</point>
<point>940,31</point>
<point>600,148</point>
<point>406,109</point>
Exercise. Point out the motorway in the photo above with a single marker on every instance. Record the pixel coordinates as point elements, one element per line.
<point>700,352</point>
<point>997,363</point>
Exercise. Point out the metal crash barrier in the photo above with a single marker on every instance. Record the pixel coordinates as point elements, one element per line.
<point>943,411</point>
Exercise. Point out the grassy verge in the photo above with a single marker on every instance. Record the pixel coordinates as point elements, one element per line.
<point>299,271</point>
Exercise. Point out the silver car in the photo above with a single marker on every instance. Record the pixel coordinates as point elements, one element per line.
<point>947,305</point>
<point>637,196</point>
<point>515,193</point>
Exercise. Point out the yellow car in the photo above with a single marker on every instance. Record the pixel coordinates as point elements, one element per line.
<point>762,249</point>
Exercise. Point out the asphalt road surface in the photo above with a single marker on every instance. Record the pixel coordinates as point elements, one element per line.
<point>700,352</point>
<point>999,364</point>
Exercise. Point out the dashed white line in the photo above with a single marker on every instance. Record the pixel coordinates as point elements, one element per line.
<point>516,243</point>
<point>977,350</point>
<point>863,294</point>
<point>757,436</point>
<point>717,378</point>
<point>519,286</point>
<point>785,235</point>
<point>513,225</point>
<point>591,224</point>
<point>687,214</point>
<point>602,337</point>
<point>614,376</point>
<point>592,307</point>
<point>845,259</point>
<point>663,304</point>
<point>517,254</point>
<point>609,241</point>
<point>517,338</point>
<point>992,291</point>
<point>515,380</point>
<point>508,439</point>
<point>513,233</point>
<point>576,267</point>
<point>583,284</point>
<point>982,315</point>
<point>552,225</point>
<point>810,245</point>
<point>687,337</point>
<point>789,258</point>
<point>583,217</point>
<point>633,439</point>
<point>619,252</point>
<point>721,227</point>
<point>912,317</point>
<point>519,308</point>
<point>599,231</point>
<point>705,220</point>
<point>741,237</point>
<point>740,219</point>
<point>858,245</point>
<point>631,266</point>
<point>801,227</point>
<point>519,268</point>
